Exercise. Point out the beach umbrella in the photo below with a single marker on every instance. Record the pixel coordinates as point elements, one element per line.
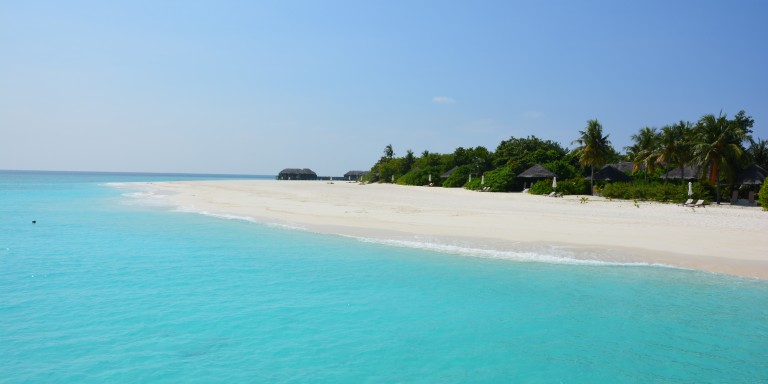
<point>430,178</point>
<point>554,183</point>
<point>690,189</point>
<point>482,180</point>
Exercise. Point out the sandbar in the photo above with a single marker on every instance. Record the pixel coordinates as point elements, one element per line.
<point>718,238</point>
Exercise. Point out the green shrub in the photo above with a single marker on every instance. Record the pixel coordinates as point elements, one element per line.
<point>458,178</point>
<point>499,180</point>
<point>541,187</point>
<point>656,191</point>
<point>420,176</point>
<point>762,196</point>
<point>576,186</point>
<point>562,169</point>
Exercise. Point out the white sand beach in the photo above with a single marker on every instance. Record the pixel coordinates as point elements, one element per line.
<point>723,239</point>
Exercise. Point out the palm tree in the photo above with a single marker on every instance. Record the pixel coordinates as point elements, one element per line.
<point>389,153</point>
<point>645,150</point>
<point>758,152</point>
<point>717,142</point>
<point>674,146</point>
<point>593,149</point>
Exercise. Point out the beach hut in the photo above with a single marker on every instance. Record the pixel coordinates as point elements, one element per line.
<point>355,175</point>
<point>688,173</point>
<point>297,174</point>
<point>537,172</point>
<point>628,167</point>
<point>752,175</point>
<point>610,173</point>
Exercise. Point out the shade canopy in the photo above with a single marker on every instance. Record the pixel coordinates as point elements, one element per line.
<point>610,173</point>
<point>537,172</point>
<point>752,175</point>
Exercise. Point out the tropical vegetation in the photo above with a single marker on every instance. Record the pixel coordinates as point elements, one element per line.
<point>716,146</point>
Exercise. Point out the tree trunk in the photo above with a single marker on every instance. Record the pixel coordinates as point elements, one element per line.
<point>714,178</point>
<point>713,172</point>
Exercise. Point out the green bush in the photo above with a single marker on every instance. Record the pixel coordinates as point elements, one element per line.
<point>562,169</point>
<point>541,187</point>
<point>420,176</point>
<point>762,196</point>
<point>576,186</point>
<point>656,191</point>
<point>458,178</point>
<point>499,180</point>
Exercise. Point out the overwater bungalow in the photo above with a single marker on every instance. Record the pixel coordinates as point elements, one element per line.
<point>297,174</point>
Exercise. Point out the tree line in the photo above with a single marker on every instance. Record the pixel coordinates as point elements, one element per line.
<point>717,145</point>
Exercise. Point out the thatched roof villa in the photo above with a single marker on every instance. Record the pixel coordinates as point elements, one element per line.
<point>537,172</point>
<point>610,173</point>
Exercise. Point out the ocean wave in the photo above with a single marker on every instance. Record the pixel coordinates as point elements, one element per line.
<point>552,255</point>
<point>142,194</point>
<point>543,253</point>
<point>228,216</point>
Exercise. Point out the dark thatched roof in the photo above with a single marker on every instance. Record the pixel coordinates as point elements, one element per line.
<point>297,174</point>
<point>538,172</point>
<point>753,175</point>
<point>628,166</point>
<point>297,171</point>
<point>610,173</point>
<point>689,173</point>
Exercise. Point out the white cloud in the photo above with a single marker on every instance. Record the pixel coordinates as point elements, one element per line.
<point>443,100</point>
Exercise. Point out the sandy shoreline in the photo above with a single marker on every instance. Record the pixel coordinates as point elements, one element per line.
<point>723,239</point>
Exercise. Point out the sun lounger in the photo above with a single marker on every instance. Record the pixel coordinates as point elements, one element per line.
<point>552,194</point>
<point>699,204</point>
<point>687,202</point>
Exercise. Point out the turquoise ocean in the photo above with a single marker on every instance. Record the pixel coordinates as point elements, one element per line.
<point>110,286</point>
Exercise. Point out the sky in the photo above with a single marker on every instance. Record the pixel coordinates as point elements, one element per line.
<point>252,87</point>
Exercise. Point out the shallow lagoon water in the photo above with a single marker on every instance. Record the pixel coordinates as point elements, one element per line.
<point>103,289</point>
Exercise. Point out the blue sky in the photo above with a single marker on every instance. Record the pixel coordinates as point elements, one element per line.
<point>254,87</point>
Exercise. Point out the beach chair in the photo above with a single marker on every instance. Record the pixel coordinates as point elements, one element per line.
<point>687,202</point>
<point>552,194</point>
<point>699,204</point>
